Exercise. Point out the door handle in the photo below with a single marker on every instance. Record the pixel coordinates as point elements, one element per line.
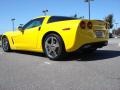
<point>39,28</point>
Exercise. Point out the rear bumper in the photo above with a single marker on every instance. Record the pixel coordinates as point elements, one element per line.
<point>94,45</point>
<point>87,38</point>
<point>91,44</point>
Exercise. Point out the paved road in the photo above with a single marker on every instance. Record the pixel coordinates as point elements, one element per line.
<point>32,71</point>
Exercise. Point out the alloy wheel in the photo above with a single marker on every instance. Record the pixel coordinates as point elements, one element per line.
<point>52,47</point>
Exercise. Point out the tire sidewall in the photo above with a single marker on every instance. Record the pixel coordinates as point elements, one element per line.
<point>60,41</point>
<point>8,48</point>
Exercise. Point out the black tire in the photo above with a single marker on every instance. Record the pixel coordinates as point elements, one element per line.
<point>53,46</point>
<point>5,44</point>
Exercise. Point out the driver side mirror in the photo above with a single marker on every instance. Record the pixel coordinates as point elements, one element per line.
<point>20,28</point>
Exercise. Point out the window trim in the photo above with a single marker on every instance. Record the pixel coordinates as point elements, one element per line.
<point>67,18</point>
<point>28,23</point>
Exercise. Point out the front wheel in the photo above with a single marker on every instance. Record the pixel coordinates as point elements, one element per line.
<point>53,46</point>
<point>5,44</point>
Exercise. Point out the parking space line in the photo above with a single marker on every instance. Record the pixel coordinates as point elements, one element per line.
<point>47,63</point>
<point>1,52</point>
<point>119,44</point>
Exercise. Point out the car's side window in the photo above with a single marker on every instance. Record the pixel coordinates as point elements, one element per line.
<point>33,23</point>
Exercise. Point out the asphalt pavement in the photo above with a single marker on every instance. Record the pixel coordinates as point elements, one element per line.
<point>33,71</point>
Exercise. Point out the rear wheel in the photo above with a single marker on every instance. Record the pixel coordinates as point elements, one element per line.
<point>5,44</point>
<point>53,46</point>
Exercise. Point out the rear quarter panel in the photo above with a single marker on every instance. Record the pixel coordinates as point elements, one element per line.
<point>68,36</point>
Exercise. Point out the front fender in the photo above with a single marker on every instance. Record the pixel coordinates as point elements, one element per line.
<point>8,35</point>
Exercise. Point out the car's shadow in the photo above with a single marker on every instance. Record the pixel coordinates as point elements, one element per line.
<point>29,53</point>
<point>98,55</point>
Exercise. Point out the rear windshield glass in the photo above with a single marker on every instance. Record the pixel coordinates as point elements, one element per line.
<point>59,18</point>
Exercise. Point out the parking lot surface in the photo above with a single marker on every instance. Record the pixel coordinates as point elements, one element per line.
<point>33,71</point>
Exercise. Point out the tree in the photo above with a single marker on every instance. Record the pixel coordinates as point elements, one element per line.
<point>109,19</point>
<point>75,16</point>
<point>118,31</point>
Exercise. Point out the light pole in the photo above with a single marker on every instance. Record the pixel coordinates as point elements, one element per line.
<point>88,1</point>
<point>45,12</point>
<point>116,28</point>
<point>13,19</point>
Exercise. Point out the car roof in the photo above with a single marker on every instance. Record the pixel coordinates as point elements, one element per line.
<point>51,16</point>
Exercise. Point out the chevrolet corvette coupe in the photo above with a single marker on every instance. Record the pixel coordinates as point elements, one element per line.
<point>56,35</point>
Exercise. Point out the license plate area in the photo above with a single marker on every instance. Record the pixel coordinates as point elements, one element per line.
<point>99,34</point>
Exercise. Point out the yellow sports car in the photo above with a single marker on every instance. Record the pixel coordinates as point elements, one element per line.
<point>55,35</point>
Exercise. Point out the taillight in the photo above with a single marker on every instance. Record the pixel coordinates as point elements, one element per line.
<point>82,24</point>
<point>89,25</point>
